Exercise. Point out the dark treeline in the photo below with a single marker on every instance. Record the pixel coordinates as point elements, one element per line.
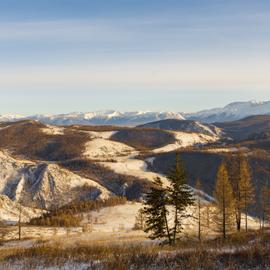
<point>144,138</point>
<point>70,215</point>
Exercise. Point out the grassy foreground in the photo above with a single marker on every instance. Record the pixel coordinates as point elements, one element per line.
<point>239,251</point>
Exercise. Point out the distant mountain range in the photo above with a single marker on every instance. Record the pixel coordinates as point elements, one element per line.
<point>107,118</point>
<point>233,111</point>
<point>97,118</point>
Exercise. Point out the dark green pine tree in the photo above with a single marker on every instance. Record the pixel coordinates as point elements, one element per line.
<point>180,196</point>
<point>156,213</point>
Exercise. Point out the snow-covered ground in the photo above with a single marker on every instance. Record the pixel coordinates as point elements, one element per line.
<point>185,139</point>
<point>10,211</point>
<point>121,218</point>
<point>117,222</point>
<point>132,166</point>
<point>124,157</point>
<point>53,130</point>
<point>102,149</point>
<point>101,134</point>
<point>41,184</point>
<point>114,219</point>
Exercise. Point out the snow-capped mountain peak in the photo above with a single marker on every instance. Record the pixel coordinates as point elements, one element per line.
<point>232,111</point>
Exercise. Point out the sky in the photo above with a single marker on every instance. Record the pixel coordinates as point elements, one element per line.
<point>60,56</point>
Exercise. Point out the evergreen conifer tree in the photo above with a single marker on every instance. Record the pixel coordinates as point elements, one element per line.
<point>180,196</point>
<point>155,211</point>
<point>176,197</point>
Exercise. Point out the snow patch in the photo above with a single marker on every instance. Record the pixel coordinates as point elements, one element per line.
<point>185,139</point>
<point>105,149</point>
<point>101,135</point>
<point>115,218</point>
<point>53,130</point>
<point>129,165</point>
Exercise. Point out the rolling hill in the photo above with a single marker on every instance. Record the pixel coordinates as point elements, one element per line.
<point>184,125</point>
<point>43,166</point>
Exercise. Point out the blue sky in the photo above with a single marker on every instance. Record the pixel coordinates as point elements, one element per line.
<point>81,55</point>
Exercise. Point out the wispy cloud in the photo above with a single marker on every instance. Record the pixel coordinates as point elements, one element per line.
<point>209,75</point>
<point>76,30</point>
<point>159,27</point>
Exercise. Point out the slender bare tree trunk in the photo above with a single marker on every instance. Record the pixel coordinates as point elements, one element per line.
<point>19,223</point>
<point>167,227</point>
<point>199,219</point>
<point>208,216</point>
<point>238,210</point>
<point>246,213</point>
<point>224,215</point>
<point>175,225</point>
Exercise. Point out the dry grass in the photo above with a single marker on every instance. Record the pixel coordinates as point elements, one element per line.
<point>251,253</point>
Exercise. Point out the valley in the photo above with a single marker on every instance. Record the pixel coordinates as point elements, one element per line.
<point>134,135</point>
<point>44,165</point>
<point>44,168</point>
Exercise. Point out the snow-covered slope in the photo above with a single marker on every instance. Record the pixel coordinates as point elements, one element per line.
<point>185,139</point>
<point>124,160</point>
<point>53,130</point>
<point>10,211</point>
<point>11,117</point>
<point>185,126</point>
<point>101,149</point>
<point>232,111</point>
<point>42,184</point>
<point>115,218</point>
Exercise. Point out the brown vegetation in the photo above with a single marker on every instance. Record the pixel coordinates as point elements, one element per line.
<point>237,252</point>
<point>27,139</point>
<point>144,139</point>
<point>68,215</point>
